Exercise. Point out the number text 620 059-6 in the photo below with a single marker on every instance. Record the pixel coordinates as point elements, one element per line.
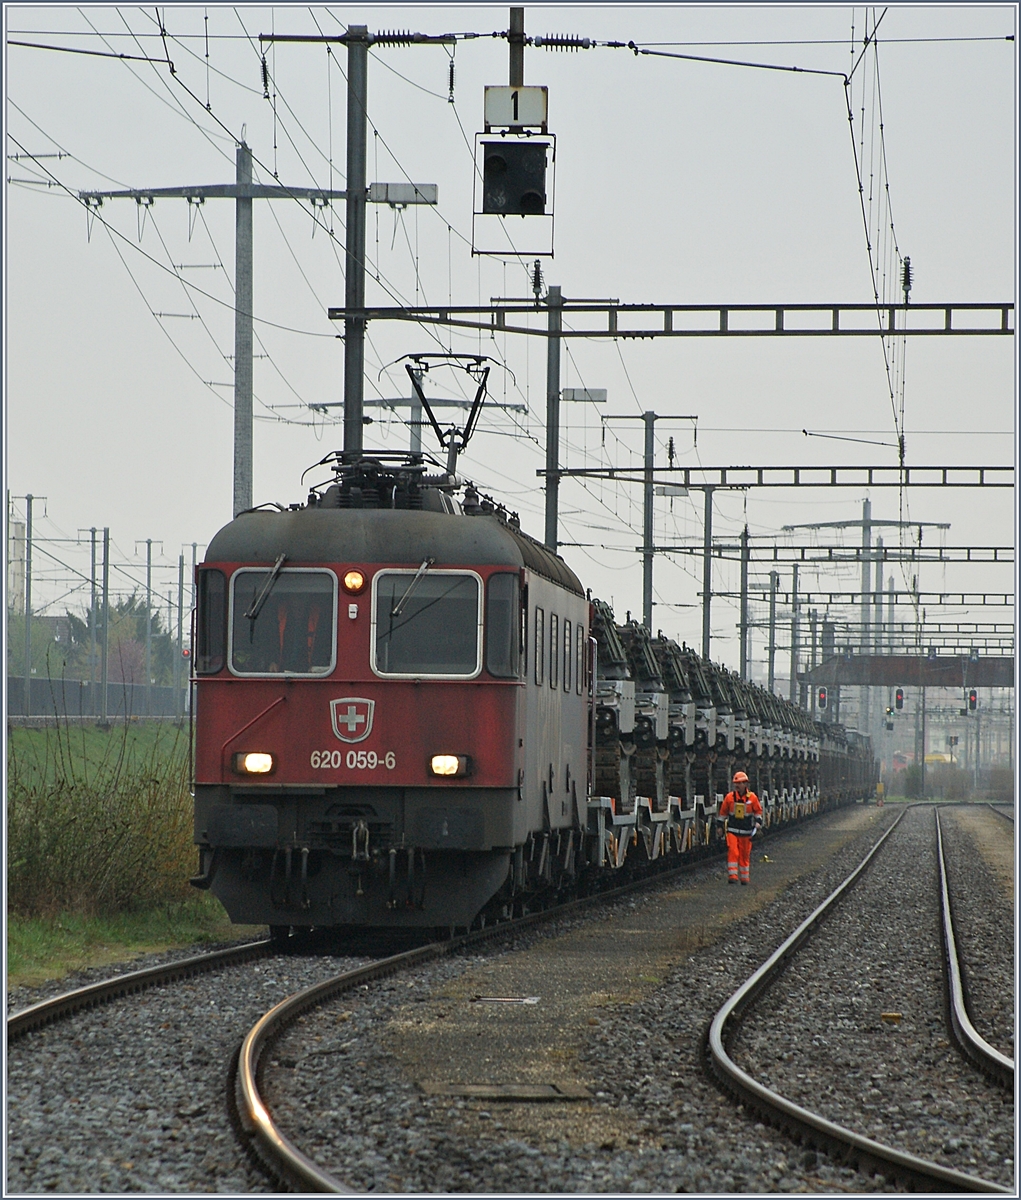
<point>354,760</point>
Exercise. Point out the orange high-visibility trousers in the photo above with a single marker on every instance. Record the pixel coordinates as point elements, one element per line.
<point>739,857</point>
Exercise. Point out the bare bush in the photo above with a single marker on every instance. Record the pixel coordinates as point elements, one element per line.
<point>98,837</point>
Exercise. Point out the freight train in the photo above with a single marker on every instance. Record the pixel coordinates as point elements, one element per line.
<point>408,712</point>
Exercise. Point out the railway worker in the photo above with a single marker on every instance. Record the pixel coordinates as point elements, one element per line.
<point>743,813</point>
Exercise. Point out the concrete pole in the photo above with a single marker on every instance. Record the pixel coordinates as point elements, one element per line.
<point>516,40</point>
<point>794,635</point>
<point>554,301</point>
<point>27,698</point>
<point>354,282</point>
<point>707,572</point>
<point>978,746</point>
<point>923,742</point>
<point>744,603</point>
<point>866,573</point>
<point>169,633</point>
<point>148,627</point>
<point>104,696</point>
<point>889,614</point>
<point>813,619</point>
<point>647,514</point>
<point>93,618</point>
<point>866,602</point>
<point>194,604</point>
<point>774,579</point>
<point>877,597</point>
<point>243,336</point>
<point>179,657</point>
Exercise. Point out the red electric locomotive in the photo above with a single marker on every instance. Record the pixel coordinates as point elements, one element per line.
<point>391,698</point>
<point>399,721</point>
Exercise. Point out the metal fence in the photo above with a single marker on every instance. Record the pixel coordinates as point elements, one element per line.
<point>74,698</point>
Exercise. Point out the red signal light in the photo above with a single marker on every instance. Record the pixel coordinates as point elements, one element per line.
<point>899,701</point>
<point>822,697</point>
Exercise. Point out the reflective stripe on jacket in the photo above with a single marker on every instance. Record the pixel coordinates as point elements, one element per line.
<point>741,812</point>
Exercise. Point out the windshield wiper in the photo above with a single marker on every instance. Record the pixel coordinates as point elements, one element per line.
<point>396,610</point>
<point>267,587</point>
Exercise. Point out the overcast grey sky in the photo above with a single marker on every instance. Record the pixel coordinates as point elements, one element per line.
<point>676,181</point>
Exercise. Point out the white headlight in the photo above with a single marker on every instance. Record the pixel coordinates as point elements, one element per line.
<point>449,764</point>
<point>254,764</point>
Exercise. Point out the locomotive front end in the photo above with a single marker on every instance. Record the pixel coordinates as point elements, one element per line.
<point>358,741</point>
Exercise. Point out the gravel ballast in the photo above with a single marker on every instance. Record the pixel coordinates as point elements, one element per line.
<point>656,1123</point>
<point>130,1096</point>
<point>93,1109</point>
<point>896,1077</point>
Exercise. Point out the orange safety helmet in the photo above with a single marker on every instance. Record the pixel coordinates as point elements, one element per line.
<point>740,777</point>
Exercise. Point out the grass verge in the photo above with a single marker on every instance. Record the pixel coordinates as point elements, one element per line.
<point>43,949</point>
<point>99,850</point>
<point>98,837</point>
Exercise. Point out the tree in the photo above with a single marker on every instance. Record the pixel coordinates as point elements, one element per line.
<point>69,658</point>
<point>49,657</point>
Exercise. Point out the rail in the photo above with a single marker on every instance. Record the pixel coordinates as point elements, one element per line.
<point>249,1112</point>
<point>987,1058</point>
<point>864,1152</point>
<point>68,1003</point>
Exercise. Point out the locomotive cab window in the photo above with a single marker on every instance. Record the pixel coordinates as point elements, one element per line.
<point>427,624</point>
<point>283,622</point>
<point>502,626</point>
<point>211,627</point>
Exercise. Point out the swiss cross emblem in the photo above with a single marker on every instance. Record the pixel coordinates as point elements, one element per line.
<point>352,718</point>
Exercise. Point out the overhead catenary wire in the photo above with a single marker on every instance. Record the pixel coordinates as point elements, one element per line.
<point>228,37</point>
<point>296,256</point>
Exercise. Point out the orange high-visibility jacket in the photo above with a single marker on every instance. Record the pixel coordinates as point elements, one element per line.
<point>741,813</point>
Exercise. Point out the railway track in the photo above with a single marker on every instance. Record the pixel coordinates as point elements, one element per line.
<point>134,984</point>
<point>986,1057</point>
<point>285,1160</point>
<point>867,1154</point>
<point>66,1004</point>
<point>253,1115</point>
<point>250,1114</point>
<point>57,1008</point>
<point>1001,812</point>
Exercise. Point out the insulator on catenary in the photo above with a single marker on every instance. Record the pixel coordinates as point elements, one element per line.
<point>450,96</point>
<point>393,37</point>
<point>905,278</point>
<point>265,79</point>
<point>563,41</point>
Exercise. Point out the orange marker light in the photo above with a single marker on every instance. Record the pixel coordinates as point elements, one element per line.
<point>354,581</point>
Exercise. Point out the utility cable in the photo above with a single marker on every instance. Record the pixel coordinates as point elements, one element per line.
<point>200,291</point>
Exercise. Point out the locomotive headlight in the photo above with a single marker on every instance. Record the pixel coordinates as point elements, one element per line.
<point>449,764</point>
<point>254,764</point>
<point>354,582</point>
